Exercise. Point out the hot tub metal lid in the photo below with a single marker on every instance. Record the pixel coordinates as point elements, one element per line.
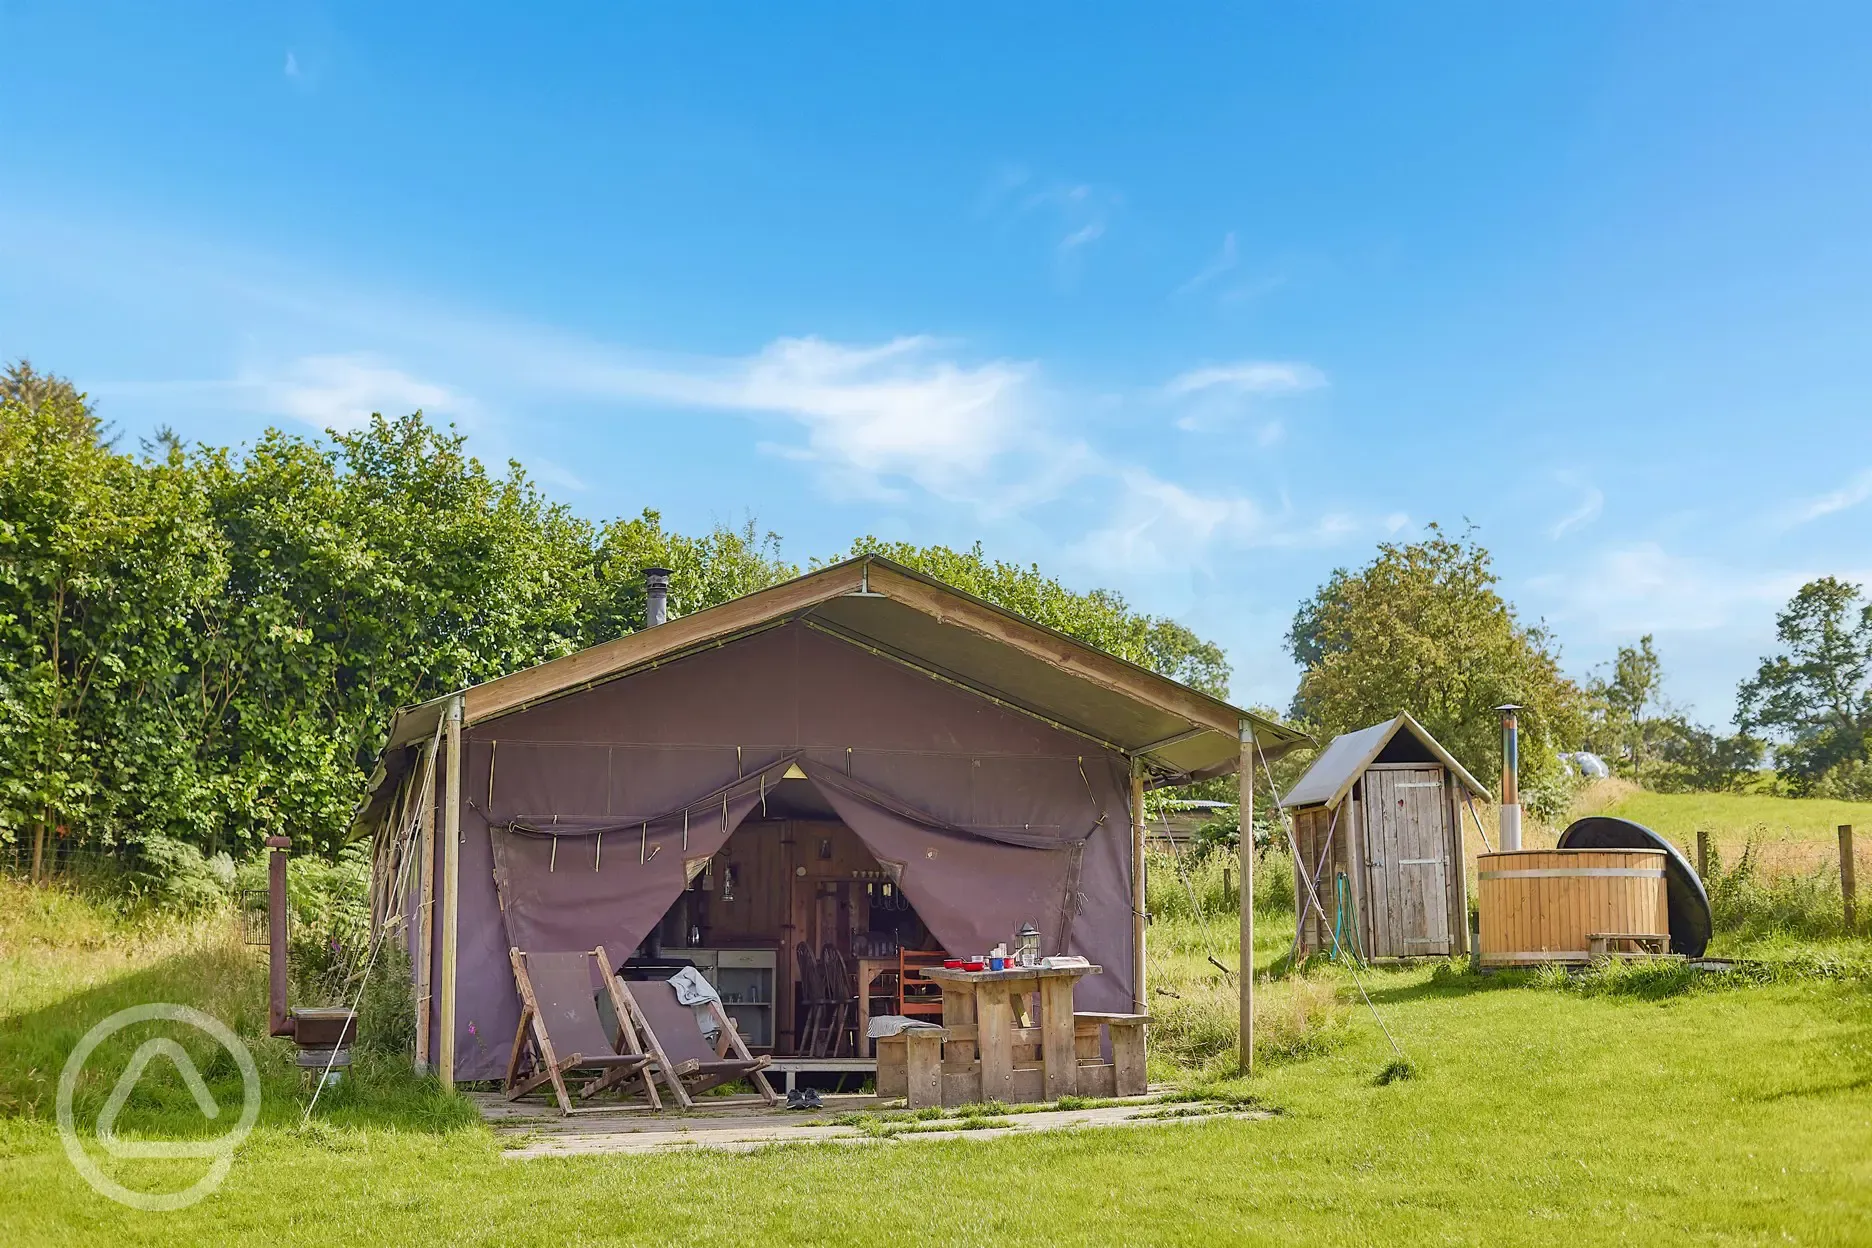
<point>1685,899</point>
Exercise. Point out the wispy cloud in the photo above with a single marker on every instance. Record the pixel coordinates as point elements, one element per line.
<point>1157,523</point>
<point>1215,396</point>
<point>550,472</point>
<point>1591,504</point>
<point>1079,213</point>
<point>1854,492</point>
<point>1220,263</point>
<point>1248,377</point>
<point>872,416</point>
<point>343,391</point>
<point>292,64</point>
<point>1623,591</point>
<point>946,434</point>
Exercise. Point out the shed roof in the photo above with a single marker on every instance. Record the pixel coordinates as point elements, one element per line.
<point>903,615</point>
<point>1343,761</point>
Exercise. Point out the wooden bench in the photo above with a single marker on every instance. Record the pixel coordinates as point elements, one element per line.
<point>1125,1071</point>
<point>1628,945</point>
<point>909,1064</point>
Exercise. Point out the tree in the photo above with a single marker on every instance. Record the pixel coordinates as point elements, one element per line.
<point>1690,758</point>
<point>705,571</point>
<point>1620,725</point>
<point>103,560</point>
<point>1631,726</point>
<point>1423,629</point>
<point>35,392</point>
<point>1816,699</point>
<point>1099,617</point>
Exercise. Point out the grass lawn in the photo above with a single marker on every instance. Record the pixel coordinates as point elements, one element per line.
<point>1538,1114</point>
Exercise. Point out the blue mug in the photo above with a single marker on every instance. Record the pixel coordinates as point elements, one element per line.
<point>997,964</point>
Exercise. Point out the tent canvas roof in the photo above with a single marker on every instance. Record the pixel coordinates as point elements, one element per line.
<point>1343,761</point>
<point>910,618</point>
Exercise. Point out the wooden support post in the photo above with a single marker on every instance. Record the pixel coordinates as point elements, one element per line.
<point>1245,777</point>
<point>1703,854</point>
<point>1139,915</point>
<point>1847,881</point>
<point>922,1067</point>
<point>425,907</point>
<point>995,1013</point>
<point>38,863</point>
<point>1056,1038</point>
<point>451,890</point>
<point>1225,885</point>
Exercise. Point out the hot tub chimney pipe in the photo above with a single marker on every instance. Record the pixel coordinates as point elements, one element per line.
<point>1510,778</point>
<point>656,596</point>
<point>279,1019</point>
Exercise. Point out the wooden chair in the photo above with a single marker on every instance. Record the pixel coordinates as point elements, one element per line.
<point>557,1004</point>
<point>840,983</point>
<point>918,997</point>
<point>680,1052</point>
<point>812,1000</point>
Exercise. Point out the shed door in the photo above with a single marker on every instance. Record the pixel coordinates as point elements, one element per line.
<point>1407,861</point>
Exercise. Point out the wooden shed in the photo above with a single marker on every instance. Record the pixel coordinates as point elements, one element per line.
<point>1379,834</point>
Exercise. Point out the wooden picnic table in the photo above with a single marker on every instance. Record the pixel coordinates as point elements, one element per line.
<point>990,1020</point>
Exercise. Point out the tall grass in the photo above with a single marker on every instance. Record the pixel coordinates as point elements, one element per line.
<point>1195,1001</point>
<point>68,962</point>
<point>1751,902</point>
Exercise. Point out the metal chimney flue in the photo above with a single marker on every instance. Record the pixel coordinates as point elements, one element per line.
<point>656,596</point>
<point>1510,777</point>
<point>279,1019</point>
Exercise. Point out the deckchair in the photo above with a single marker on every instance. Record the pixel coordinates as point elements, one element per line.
<point>559,1013</point>
<point>688,1063</point>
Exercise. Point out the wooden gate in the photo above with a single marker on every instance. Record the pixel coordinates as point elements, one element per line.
<point>1407,860</point>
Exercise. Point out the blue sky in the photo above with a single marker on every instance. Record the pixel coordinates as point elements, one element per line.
<point>1197,303</point>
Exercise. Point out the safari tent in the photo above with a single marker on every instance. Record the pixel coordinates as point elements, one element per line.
<point>861,758</point>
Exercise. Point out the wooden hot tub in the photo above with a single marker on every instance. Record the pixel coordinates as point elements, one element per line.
<point>1545,905</point>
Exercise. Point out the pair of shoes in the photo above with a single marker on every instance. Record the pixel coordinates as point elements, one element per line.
<point>804,1098</point>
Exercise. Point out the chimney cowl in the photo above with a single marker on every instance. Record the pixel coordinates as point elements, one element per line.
<point>656,596</point>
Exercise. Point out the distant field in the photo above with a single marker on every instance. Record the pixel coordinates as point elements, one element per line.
<point>1789,833</point>
<point>1736,816</point>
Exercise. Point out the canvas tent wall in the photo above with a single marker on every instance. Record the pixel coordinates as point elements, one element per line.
<point>991,765</point>
<point>1378,830</point>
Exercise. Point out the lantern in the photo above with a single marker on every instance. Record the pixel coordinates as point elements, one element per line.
<point>1027,945</point>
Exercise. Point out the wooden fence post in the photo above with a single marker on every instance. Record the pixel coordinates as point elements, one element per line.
<point>1703,854</point>
<point>1225,885</point>
<point>1846,877</point>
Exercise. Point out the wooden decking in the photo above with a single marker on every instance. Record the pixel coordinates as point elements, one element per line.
<point>742,1124</point>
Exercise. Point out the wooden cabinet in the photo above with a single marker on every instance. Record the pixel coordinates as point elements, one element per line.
<point>745,978</point>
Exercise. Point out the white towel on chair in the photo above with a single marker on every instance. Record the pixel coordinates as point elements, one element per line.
<point>692,988</point>
<point>694,991</point>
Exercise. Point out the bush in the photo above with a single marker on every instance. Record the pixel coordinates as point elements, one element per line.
<point>1189,885</point>
<point>174,876</point>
